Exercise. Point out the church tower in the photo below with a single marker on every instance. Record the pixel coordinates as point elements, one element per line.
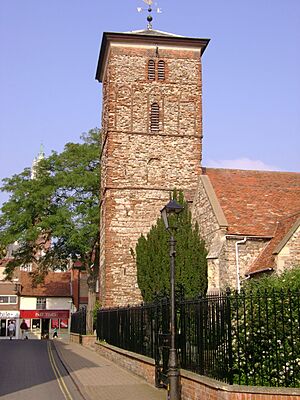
<point>151,143</point>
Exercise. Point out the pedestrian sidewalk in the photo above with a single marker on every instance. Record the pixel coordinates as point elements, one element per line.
<point>99,378</point>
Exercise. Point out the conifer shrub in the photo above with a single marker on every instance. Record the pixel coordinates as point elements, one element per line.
<point>153,261</point>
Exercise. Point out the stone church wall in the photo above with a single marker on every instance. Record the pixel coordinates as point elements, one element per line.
<point>139,168</point>
<point>128,215</point>
<point>212,234</point>
<point>202,212</point>
<point>247,253</point>
<point>289,256</point>
<point>221,257</point>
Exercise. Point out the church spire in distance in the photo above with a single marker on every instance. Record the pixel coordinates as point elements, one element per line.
<point>36,160</point>
<point>149,16</point>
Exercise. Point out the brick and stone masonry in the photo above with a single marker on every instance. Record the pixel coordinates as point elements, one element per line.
<point>139,166</point>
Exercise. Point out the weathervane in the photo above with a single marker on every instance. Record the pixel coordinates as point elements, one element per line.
<point>149,17</point>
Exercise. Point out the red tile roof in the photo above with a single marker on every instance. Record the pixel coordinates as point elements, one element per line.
<point>254,201</point>
<point>267,257</point>
<point>56,284</point>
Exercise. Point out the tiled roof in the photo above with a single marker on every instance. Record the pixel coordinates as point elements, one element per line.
<point>254,201</point>
<point>267,257</point>
<point>56,284</point>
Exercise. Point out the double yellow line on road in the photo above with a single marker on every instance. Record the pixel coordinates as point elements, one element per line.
<point>57,374</point>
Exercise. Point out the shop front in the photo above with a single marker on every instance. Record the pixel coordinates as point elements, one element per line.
<point>6,317</point>
<point>42,323</point>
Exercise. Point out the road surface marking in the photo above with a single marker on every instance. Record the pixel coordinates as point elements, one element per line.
<point>57,374</point>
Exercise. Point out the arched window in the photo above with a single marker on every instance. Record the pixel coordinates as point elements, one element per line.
<point>154,117</point>
<point>161,70</point>
<point>151,70</point>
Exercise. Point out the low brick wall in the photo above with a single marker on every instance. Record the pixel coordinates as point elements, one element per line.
<point>85,340</point>
<point>75,338</point>
<point>194,386</point>
<point>136,363</point>
<point>88,340</point>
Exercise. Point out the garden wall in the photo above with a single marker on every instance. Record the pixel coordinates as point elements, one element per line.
<point>75,338</point>
<point>193,386</point>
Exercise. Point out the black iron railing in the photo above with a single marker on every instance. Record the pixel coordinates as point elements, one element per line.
<point>205,343</point>
<point>246,338</point>
<point>78,322</point>
<point>130,328</point>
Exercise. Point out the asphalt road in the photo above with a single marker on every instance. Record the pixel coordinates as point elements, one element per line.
<point>31,369</point>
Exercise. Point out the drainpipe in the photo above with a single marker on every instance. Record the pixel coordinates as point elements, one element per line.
<point>238,281</point>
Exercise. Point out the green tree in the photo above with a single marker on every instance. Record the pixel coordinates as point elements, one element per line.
<point>55,216</point>
<point>153,263</point>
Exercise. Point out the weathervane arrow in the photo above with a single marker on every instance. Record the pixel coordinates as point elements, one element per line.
<point>149,9</point>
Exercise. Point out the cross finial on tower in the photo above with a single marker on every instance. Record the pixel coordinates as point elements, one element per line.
<point>149,17</point>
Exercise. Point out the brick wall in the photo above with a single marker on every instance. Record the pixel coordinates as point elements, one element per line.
<point>136,363</point>
<point>75,273</point>
<point>139,168</point>
<point>75,338</point>
<point>193,386</point>
<point>196,387</point>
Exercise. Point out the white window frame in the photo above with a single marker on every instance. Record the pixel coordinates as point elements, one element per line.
<point>41,303</point>
<point>9,296</point>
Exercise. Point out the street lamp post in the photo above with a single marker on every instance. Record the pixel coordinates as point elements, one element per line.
<point>173,372</point>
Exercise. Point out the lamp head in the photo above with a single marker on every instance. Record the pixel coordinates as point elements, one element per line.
<point>172,208</point>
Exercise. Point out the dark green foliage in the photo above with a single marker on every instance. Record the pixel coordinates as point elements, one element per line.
<point>265,331</point>
<point>288,280</point>
<point>153,262</point>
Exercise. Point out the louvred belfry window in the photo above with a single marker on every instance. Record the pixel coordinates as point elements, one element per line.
<point>151,70</point>
<point>161,70</point>
<point>154,117</point>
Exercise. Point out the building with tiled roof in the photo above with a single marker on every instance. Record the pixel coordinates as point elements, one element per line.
<point>152,143</point>
<point>56,284</point>
<point>250,221</point>
<point>47,305</point>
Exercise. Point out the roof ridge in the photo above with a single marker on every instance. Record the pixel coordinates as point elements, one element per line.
<point>285,217</point>
<point>204,169</point>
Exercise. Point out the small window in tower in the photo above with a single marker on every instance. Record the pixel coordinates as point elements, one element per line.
<point>151,70</point>
<point>161,70</point>
<point>154,117</point>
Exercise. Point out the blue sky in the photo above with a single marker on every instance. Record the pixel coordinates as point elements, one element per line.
<point>251,79</point>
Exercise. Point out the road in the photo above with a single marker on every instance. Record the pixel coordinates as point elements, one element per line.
<point>31,369</point>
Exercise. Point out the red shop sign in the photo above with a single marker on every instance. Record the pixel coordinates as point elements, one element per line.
<point>64,314</point>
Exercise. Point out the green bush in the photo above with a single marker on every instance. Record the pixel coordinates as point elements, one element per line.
<point>266,331</point>
<point>153,262</point>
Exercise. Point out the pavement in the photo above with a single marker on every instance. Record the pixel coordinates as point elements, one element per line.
<point>97,378</point>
